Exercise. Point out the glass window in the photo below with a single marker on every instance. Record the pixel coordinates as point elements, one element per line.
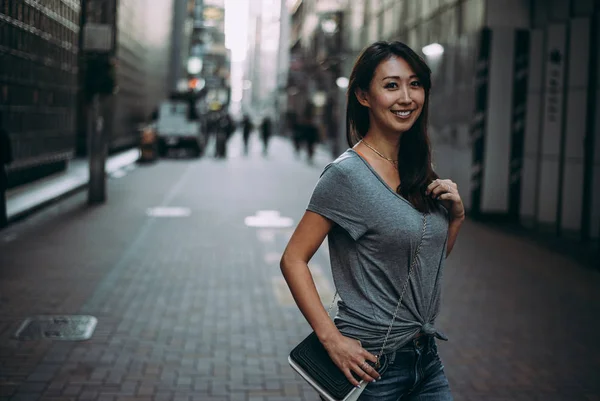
<point>559,10</point>
<point>375,7</point>
<point>4,93</point>
<point>412,11</point>
<point>583,8</point>
<point>425,9</point>
<point>358,20</point>
<point>424,34</point>
<point>3,35</point>
<point>389,22</point>
<point>399,10</point>
<point>473,14</point>
<point>447,31</point>
<point>373,31</point>
<point>25,14</point>
<point>412,38</point>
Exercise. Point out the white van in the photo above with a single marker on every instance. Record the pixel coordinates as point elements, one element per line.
<point>176,131</point>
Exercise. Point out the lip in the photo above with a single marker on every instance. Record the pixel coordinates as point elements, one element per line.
<point>402,117</point>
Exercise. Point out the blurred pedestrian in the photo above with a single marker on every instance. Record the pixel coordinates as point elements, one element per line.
<point>296,129</point>
<point>310,135</point>
<point>225,128</point>
<point>246,130</point>
<point>391,223</point>
<point>266,131</point>
<point>6,157</point>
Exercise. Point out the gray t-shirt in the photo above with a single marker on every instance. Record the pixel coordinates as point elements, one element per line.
<point>372,245</point>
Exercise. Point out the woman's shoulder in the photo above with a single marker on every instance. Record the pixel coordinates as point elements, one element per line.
<point>345,163</point>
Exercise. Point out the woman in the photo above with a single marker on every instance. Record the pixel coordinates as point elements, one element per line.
<point>390,223</point>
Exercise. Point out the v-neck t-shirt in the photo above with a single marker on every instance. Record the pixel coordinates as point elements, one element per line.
<point>372,246</point>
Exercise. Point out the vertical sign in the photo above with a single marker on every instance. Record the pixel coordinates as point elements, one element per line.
<point>478,125</point>
<point>519,111</point>
<point>552,126</point>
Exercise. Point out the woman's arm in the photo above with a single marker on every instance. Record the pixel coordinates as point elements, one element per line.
<point>453,229</point>
<point>446,191</point>
<point>346,353</point>
<point>303,244</point>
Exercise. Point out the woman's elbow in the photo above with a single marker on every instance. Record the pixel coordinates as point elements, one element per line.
<point>284,263</point>
<point>288,261</point>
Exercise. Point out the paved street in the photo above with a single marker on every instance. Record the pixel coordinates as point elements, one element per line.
<point>192,306</point>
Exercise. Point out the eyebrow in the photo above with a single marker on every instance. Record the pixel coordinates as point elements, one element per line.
<point>398,77</point>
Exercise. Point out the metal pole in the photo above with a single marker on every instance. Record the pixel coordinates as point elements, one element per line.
<point>97,155</point>
<point>97,148</point>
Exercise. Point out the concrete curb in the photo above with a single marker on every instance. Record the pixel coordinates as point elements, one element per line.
<point>72,181</point>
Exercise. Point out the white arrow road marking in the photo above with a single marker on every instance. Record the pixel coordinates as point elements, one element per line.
<point>168,212</point>
<point>268,218</point>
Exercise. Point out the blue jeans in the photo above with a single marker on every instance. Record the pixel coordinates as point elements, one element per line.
<point>415,373</point>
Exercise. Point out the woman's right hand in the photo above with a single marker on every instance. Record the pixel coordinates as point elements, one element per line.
<point>349,355</point>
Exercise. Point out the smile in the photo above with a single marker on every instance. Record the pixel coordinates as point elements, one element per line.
<point>402,113</point>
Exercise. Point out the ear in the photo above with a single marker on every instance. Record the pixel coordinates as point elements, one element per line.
<point>361,96</point>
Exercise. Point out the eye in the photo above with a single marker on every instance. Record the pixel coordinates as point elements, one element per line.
<point>416,84</point>
<point>391,85</point>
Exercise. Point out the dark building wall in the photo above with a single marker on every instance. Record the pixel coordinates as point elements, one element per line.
<point>129,103</point>
<point>38,83</point>
<point>144,34</point>
<point>143,39</point>
<point>177,43</point>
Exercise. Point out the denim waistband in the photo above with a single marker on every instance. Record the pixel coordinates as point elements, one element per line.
<point>417,343</point>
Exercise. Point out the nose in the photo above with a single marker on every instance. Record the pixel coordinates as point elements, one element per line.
<point>404,95</point>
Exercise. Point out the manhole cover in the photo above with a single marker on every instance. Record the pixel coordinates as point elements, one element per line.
<point>68,328</point>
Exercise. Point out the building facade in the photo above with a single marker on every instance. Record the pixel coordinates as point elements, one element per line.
<point>41,82</point>
<point>209,44</point>
<point>264,76</point>
<point>38,84</point>
<point>515,99</point>
<point>181,30</point>
<point>317,58</point>
<point>143,37</point>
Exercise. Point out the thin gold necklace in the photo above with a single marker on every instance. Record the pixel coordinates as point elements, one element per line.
<point>394,162</point>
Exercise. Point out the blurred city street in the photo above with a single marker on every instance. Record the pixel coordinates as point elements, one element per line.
<point>181,268</point>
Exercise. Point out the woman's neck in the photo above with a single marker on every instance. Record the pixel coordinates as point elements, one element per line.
<point>386,144</point>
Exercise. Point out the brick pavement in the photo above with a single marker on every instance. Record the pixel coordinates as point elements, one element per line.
<point>189,308</point>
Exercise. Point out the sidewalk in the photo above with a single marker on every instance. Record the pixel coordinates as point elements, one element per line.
<point>193,306</point>
<point>27,199</point>
<point>30,198</point>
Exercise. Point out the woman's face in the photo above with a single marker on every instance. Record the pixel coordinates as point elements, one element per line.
<point>395,97</point>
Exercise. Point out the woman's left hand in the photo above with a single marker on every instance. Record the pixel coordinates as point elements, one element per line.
<point>446,191</point>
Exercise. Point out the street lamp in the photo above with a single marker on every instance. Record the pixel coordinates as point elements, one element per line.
<point>194,65</point>
<point>329,26</point>
<point>342,82</point>
<point>433,50</point>
<point>319,99</point>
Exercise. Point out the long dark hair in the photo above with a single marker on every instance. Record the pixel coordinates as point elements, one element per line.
<point>414,156</point>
